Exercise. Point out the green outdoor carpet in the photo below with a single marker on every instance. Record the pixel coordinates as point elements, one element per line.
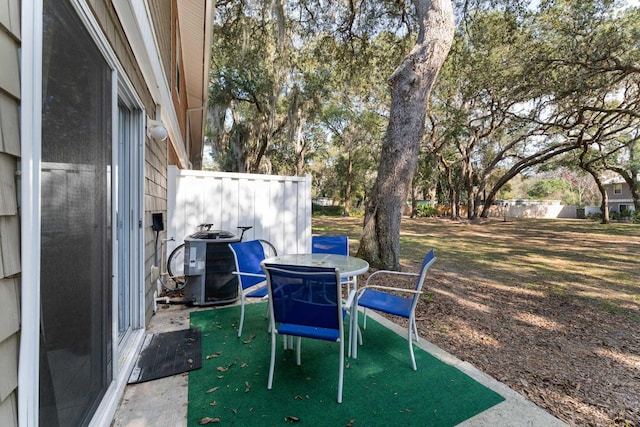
<point>380,388</point>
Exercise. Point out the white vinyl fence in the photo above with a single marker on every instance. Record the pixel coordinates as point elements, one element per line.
<point>533,209</point>
<point>277,207</point>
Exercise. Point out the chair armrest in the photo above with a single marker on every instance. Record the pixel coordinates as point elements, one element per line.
<point>250,274</point>
<point>349,302</point>
<point>397,273</point>
<point>391,288</point>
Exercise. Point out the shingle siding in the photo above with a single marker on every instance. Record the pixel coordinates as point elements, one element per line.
<point>10,69</point>
<point>9,411</point>
<point>10,307</point>
<point>155,200</point>
<point>9,125</point>
<point>8,202</point>
<point>10,16</point>
<point>8,357</point>
<point>9,246</point>
<point>9,221</point>
<point>161,15</point>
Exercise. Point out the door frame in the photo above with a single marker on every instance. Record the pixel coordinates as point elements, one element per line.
<point>135,194</point>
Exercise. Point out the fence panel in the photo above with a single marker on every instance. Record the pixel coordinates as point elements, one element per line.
<point>277,207</point>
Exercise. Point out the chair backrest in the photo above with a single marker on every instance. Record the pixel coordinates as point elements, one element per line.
<point>307,296</point>
<point>330,245</point>
<point>427,262</point>
<point>248,256</point>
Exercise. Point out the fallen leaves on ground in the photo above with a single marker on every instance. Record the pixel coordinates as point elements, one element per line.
<point>538,307</point>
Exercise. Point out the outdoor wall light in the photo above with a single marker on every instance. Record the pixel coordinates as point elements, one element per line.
<point>156,130</point>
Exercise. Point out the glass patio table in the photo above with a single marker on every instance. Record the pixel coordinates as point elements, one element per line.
<point>348,266</point>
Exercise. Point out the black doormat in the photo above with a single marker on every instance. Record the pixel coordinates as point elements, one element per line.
<point>167,354</point>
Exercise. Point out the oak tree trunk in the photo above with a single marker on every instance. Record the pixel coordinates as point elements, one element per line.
<point>411,85</point>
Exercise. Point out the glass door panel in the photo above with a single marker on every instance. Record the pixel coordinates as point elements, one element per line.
<point>125,222</point>
<point>76,264</point>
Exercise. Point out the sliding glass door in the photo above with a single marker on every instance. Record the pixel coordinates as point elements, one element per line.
<point>76,345</point>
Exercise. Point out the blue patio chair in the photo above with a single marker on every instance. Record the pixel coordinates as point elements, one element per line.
<point>387,300</point>
<point>338,245</point>
<point>251,279</point>
<point>330,245</point>
<point>306,302</point>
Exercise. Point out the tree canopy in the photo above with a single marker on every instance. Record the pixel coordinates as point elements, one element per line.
<point>307,86</point>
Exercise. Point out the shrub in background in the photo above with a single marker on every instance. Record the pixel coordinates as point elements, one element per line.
<point>427,211</point>
<point>595,216</point>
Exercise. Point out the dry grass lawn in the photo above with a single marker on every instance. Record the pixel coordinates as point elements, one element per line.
<point>549,307</point>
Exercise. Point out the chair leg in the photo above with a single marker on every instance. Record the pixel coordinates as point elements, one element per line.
<point>352,349</point>
<point>341,371</point>
<point>241,313</point>
<point>298,351</point>
<point>273,360</point>
<point>351,323</point>
<point>364,322</point>
<point>358,337</point>
<point>350,337</point>
<point>415,330</point>
<point>287,342</point>
<point>358,333</point>
<point>410,340</point>
<point>266,316</point>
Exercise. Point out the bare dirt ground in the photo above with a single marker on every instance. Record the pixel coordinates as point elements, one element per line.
<point>550,308</point>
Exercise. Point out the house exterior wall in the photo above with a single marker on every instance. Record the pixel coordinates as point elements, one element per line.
<point>164,15</point>
<point>9,220</point>
<point>158,154</point>
<point>155,166</point>
<point>625,194</point>
<point>155,201</point>
<point>623,198</point>
<point>178,83</point>
<point>161,13</point>
<point>106,16</point>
